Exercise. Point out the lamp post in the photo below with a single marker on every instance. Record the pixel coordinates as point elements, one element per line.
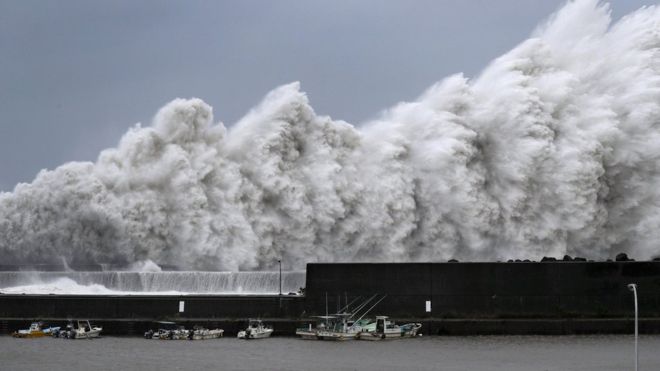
<point>279,261</point>
<point>633,287</point>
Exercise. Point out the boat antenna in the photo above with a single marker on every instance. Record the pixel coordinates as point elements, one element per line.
<point>348,304</point>
<point>364,304</point>
<point>372,307</point>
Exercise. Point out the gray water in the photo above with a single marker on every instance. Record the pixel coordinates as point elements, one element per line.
<point>510,353</point>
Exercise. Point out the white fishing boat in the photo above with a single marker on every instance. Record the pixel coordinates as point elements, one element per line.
<point>383,328</point>
<point>255,330</point>
<point>80,329</point>
<point>37,329</point>
<point>310,331</point>
<point>339,329</point>
<point>202,333</point>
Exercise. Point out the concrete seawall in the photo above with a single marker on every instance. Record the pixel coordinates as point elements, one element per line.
<point>491,290</point>
<point>150,306</point>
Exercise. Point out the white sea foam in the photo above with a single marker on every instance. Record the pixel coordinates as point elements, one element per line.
<point>156,283</point>
<point>145,266</point>
<point>65,286</point>
<point>553,149</point>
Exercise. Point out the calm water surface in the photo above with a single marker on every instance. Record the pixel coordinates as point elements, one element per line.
<point>510,353</point>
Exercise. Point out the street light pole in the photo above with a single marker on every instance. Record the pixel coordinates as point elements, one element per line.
<point>633,287</point>
<point>279,261</point>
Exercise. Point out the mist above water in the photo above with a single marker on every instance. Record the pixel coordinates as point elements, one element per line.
<point>554,149</point>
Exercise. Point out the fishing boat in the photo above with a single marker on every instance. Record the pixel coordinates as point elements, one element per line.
<point>338,329</point>
<point>310,331</point>
<point>36,330</point>
<point>80,329</point>
<point>345,325</point>
<point>255,330</point>
<point>383,328</point>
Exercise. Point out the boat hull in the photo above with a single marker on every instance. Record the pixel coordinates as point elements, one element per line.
<point>255,334</point>
<point>38,334</point>
<point>406,331</point>
<point>326,335</point>
<point>336,336</point>
<point>94,333</point>
<point>373,336</point>
<point>209,334</point>
<point>203,334</point>
<point>35,332</point>
<point>306,335</point>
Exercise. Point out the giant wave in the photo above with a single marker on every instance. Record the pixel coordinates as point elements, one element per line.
<point>554,149</point>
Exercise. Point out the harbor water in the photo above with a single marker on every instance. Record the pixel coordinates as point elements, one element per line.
<point>510,353</point>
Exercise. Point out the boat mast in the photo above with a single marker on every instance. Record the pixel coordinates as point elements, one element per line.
<point>361,306</point>
<point>372,307</point>
<point>349,304</point>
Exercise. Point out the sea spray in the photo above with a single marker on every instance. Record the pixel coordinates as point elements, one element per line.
<point>150,283</point>
<point>552,150</point>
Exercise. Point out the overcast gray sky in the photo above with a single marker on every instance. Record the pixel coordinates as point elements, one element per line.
<point>76,74</point>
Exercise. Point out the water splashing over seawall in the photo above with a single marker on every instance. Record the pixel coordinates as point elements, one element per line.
<point>552,150</point>
<point>150,282</point>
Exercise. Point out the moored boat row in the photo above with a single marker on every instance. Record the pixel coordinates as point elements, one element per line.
<point>80,329</point>
<point>346,324</point>
<point>172,331</point>
<point>337,328</point>
<point>351,325</point>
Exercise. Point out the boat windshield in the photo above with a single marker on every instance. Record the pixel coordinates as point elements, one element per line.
<point>362,322</point>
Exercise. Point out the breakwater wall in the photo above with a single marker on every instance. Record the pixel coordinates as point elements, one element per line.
<point>491,290</point>
<point>447,298</point>
<point>497,298</point>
